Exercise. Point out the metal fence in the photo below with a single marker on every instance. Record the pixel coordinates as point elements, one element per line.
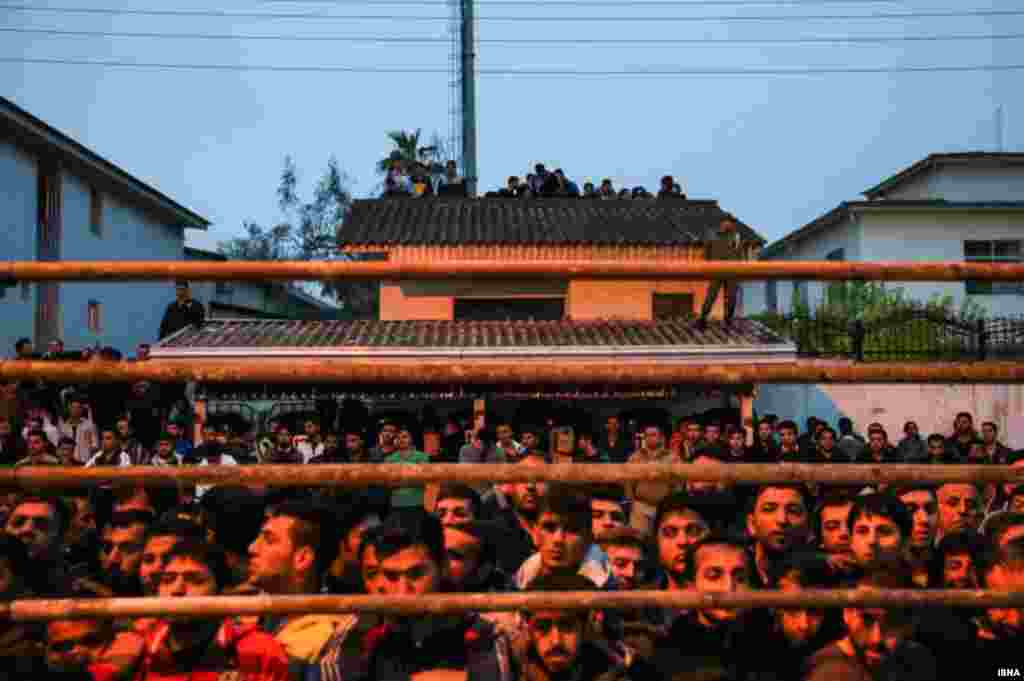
<point>916,334</point>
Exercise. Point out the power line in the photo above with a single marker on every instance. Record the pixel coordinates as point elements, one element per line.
<point>587,3</point>
<point>115,11</point>
<point>519,72</point>
<point>823,40</point>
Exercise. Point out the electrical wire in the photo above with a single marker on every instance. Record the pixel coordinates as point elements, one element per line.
<point>517,41</point>
<point>519,72</point>
<point>587,3</point>
<point>878,16</point>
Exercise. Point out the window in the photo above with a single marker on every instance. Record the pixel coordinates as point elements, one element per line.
<point>771,295</point>
<point>95,212</point>
<point>509,309</point>
<point>837,255</point>
<point>1004,250</point>
<point>95,319</point>
<point>668,305</point>
<point>223,288</point>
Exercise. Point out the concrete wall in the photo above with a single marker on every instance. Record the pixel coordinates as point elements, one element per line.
<point>613,299</point>
<point>18,206</point>
<point>965,183</point>
<point>130,312</point>
<point>933,407</point>
<point>395,305</point>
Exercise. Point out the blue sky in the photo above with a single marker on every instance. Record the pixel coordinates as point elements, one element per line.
<point>775,150</point>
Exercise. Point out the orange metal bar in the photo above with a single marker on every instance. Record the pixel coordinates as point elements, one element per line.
<point>69,270</point>
<point>511,372</point>
<point>437,604</point>
<point>361,475</point>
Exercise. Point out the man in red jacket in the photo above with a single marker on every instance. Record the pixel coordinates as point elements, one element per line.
<point>204,650</point>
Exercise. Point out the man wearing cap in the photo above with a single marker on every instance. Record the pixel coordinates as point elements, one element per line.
<point>728,246</point>
<point>184,311</point>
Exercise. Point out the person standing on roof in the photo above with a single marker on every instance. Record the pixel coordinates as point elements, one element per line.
<point>728,246</point>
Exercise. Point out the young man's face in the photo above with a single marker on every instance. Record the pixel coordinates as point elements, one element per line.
<point>403,440</point>
<point>713,434</point>
<point>652,438</point>
<point>798,625</point>
<point>779,520</point>
<point>83,519</point>
<point>463,559</point>
<point>612,424</point>
<point>736,442</point>
<point>876,441</point>
<point>988,433</point>
<point>526,496</point>
<point>626,564</point>
<point>108,442</point>
<point>561,546</point>
<point>835,532</point>
<point>75,409</point>
<point>606,515</point>
<point>787,438</point>
<point>312,429</point>
<point>272,554</point>
<point>71,645</point>
<point>36,446</point>
<point>964,424</point>
<point>875,633</point>
<point>183,576</point>
<point>694,431</point>
<point>556,638</point>
<point>764,431</point>
<point>530,440</point>
<point>876,541</point>
<point>154,559</point>
<point>409,572</point>
<point>959,508</point>
<point>826,441</point>
<point>121,550</point>
<point>677,532</point>
<point>959,571</point>
<point>348,547</point>
<point>936,450</point>
<point>504,434</point>
<point>924,511</point>
<point>353,443</point>
<point>454,511</point>
<point>721,569</point>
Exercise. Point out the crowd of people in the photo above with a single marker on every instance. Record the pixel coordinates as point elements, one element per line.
<point>194,540</point>
<point>416,179</point>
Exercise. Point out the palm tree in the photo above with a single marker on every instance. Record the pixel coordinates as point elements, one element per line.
<point>407,148</point>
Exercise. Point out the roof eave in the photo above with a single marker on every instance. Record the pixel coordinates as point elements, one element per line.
<point>933,160</point>
<point>39,132</point>
<point>817,225</point>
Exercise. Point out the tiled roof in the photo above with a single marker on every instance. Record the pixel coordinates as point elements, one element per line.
<point>252,338</point>
<point>449,221</point>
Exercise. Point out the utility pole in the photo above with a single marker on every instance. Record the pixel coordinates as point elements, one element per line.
<point>469,97</point>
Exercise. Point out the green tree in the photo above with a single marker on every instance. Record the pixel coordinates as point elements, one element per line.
<point>308,231</point>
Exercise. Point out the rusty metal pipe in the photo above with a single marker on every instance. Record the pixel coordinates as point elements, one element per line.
<point>361,475</point>
<point>161,270</point>
<point>518,372</point>
<point>34,610</point>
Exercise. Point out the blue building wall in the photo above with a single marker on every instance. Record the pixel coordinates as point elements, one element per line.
<point>17,241</point>
<point>130,313</point>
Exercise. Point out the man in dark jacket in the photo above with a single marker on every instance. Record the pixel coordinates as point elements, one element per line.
<point>184,311</point>
<point>728,246</point>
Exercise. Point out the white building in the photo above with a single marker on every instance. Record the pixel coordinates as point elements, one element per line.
<point>962,206</point>
<point>62,201</point>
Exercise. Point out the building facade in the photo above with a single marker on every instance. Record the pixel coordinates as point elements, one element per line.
<point>59,200</point>
<point>967,206</point>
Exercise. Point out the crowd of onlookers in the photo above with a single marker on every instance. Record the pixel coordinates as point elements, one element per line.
<point>207,539</point>
<point>416,179</point>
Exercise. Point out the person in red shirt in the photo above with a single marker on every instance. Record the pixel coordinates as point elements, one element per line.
<point>205,650</point>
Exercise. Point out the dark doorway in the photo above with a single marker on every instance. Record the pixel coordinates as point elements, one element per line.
<point>514,309</point>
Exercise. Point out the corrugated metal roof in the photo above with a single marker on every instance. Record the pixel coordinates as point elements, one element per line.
<point>449,221</point>
<point>253,338</point>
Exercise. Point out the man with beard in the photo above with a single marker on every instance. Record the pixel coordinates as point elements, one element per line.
<point>994,451</point>
<point>960,507</point>
<point>284,451</point>
<point>193,649</point>
<point>647,496</point>
<point>777,521</point>
<point>518,518</point>
<point>457,504</point>
<point>110,452</point>
<point>471,555</point>
<point>800,632</point>
<point>876,641</point>
<point>38,451</point>
<point>405,557</point>
<point>607,509</point>
<point>564,541</point>
<point>923,508</point>
<point>211,453</point>
<point>295,546</point>
<point>880,531</point>
<point>564,645</point>
<point>715,643</point>
<point>790,450</point>
<point>40,522</point>
<point>123,541</point>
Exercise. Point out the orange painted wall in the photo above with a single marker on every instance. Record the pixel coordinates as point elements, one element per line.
<point>628,299</point>
<point>395,306</point>
<point>585,299</point>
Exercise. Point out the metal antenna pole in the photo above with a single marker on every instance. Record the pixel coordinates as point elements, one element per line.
<point>469,97</point>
